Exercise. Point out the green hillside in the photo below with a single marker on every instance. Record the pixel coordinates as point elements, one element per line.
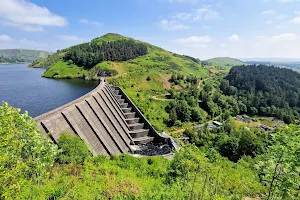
<point>224,61</point>
<point>21,55</point>
<point>155,60</point>
<point>141,69</point>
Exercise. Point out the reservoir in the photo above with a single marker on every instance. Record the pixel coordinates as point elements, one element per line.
<point>24,88</point>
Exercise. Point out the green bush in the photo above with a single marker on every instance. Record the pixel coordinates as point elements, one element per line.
<point>24,155</point>
<point>73,149</point>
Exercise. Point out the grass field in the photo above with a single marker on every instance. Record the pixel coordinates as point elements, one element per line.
<point>64,70</point>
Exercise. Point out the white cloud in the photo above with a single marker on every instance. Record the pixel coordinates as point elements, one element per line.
<point>68,37</point>
<point>183,16</point>
<point>5,38</point>
<point>281,16</point>
<point>268,12</point>
<point>183,1</point>
<point>11,43</point>
<point>296,20</point>
<point>172,25</point>
<point>194,40</point>
<point>285,45</point>
<point>23,27</point>
<point>287,1</point>
<point>223,45</point>
<point>234,38</point>
<point>269,22</point>
<point>86,21</point>
<point>28,16</point>
<point>205,13</point>
<point>277,38</point>
<point>261,37</point>
<point>280,26</point>
<point>32,43</point>
<point>284,37</point>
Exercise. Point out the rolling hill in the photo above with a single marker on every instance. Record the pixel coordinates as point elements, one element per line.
<point>141,69</point>
<point>224,61</point>
<point>63,65</point>
<point>21,55</point>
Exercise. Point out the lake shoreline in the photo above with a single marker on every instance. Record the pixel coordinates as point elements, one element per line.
<point>24,87</point>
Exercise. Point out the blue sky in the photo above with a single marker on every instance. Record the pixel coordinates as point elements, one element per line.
<point>200,28</point>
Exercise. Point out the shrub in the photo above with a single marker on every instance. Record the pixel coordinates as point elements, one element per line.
<point>25,155</point>
<point>73,149</point>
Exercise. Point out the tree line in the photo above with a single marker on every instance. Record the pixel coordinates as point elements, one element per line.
<point>11,60</point>
<point>265,90</point>
<point>90,54</point>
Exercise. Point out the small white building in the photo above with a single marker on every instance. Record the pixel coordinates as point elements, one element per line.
<point>217,123</point>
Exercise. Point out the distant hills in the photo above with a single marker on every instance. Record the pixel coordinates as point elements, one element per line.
<point>21,55</point>
<point>285,60</point>
<point>224,61</point>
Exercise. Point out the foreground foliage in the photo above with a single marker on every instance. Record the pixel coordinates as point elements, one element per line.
<point>279,168</point>
<point>73,149</point>
<point>31,168</point>
<point>25,156</point>
<point>27,170</point>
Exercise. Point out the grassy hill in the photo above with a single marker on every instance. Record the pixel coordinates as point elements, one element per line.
<point>141,77</point>
<point>225,61</point>
<point>21,55</point>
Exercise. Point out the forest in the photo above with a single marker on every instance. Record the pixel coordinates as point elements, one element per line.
<point>265,90</point>
<point>202,101</point>
<point>11,60</point>
<point>90,54</point>
<point>254,90</point>
<point>200,104</point>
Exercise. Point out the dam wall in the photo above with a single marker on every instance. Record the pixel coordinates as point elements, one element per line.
<point>105,118</point>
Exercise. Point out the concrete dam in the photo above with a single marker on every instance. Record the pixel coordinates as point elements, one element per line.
<point>109,123</point>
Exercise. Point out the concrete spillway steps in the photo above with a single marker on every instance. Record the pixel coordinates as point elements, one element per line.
<point>137,131</point>
<point>137,126</point>
<point>143,140</point>
<point>124,105</point>
<point>132,120</point>
<point>126,110</point>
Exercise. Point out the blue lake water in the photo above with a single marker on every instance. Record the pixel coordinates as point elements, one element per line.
<point>24,88</point>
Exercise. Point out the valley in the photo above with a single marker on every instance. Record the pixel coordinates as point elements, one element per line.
<point>227,117</point>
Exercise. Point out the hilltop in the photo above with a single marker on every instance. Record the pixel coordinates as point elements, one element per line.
<point>21,55</point>
<point>141,69</point>
<point>117,53</point>
<point>224,61</point>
